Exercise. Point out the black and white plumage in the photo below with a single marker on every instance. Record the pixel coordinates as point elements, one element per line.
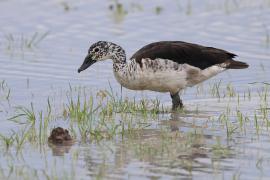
<point>165,66</point>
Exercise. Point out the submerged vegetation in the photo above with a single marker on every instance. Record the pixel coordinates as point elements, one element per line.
<point>23,42</point>
<point>4,91</point>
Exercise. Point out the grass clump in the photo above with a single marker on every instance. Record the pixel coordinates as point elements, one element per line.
<point>108,117</point>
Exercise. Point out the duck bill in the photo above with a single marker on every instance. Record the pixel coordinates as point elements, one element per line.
<point>88,61</point>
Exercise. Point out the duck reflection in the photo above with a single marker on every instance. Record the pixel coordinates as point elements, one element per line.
<point>179,146</point>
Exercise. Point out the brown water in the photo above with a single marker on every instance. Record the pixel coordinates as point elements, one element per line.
<point>174,145</point>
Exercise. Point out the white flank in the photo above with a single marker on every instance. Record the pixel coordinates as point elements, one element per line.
<point>163,76</point>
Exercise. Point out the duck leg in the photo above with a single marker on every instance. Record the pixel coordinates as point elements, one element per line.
<point>176,101</point>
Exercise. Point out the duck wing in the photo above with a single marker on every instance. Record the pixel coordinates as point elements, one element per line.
<point>188,53</point>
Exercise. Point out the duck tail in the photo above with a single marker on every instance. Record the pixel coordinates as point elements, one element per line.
<point>232,64</point>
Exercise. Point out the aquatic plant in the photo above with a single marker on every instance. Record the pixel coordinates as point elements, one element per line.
<point>4,90</point>
<point>22,42</point>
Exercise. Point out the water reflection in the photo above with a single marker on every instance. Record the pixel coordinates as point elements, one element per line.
<point>177,148</point>
<point>60,149</point>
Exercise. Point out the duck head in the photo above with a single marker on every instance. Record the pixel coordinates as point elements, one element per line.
<point>99,51</point>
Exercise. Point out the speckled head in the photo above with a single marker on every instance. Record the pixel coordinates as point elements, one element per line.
<point>97,52</point>
<point>100,51</point>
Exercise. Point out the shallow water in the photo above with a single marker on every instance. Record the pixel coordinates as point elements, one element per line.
<point>195,144</point>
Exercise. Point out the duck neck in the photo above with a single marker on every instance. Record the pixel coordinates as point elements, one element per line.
<point>118,56</point>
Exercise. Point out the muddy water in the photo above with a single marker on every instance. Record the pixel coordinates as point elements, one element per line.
<point>194,145</point>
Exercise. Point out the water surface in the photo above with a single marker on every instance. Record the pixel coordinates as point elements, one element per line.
<point>195,144</point>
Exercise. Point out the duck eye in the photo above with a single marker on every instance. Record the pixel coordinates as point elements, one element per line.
<point>96,49</point>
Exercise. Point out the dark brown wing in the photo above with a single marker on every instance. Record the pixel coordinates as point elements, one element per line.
<point>192,54</point>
